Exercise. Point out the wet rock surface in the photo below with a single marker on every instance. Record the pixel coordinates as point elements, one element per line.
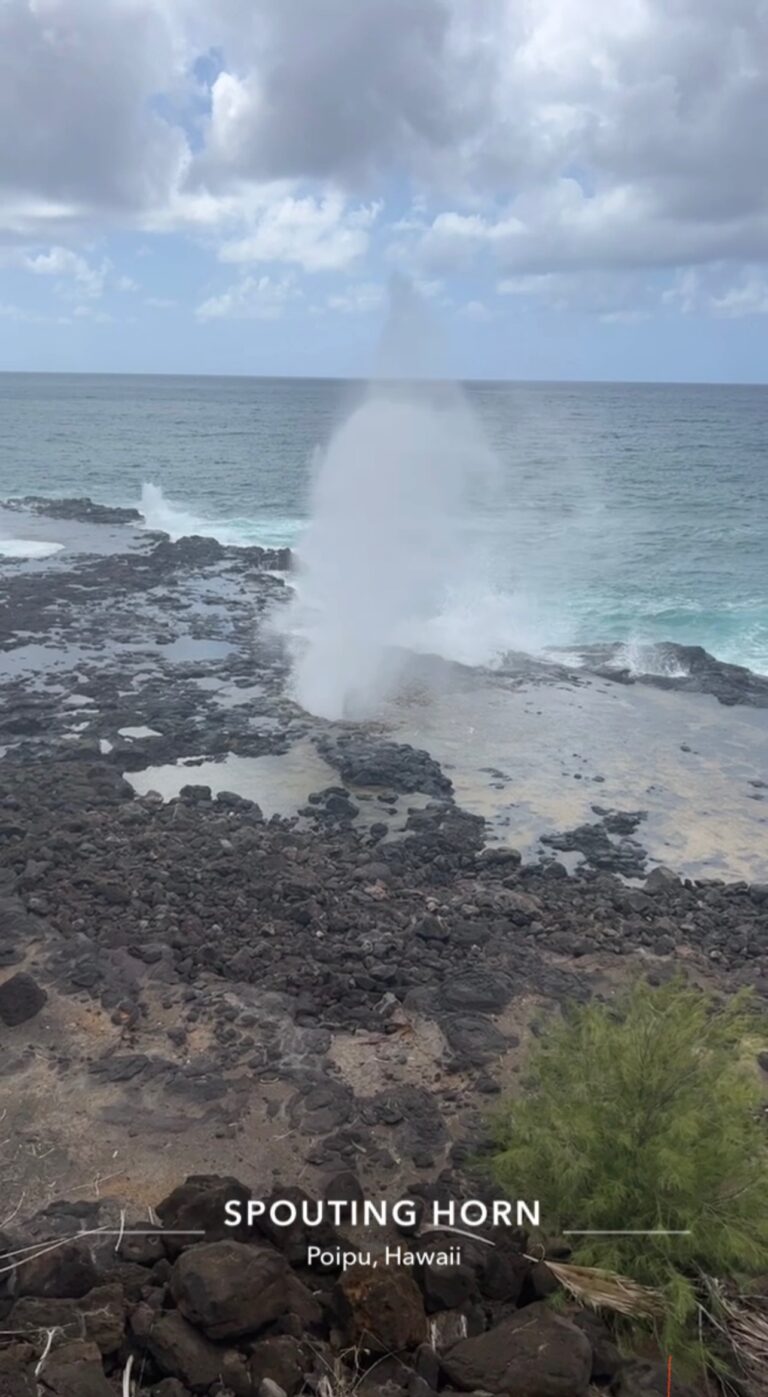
<point>687,668</point>
<point>82,509</point>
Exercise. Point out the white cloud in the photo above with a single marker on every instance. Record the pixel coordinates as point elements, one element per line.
<point>357,300</point>
<point>624,317</point>
<point>616,296</point>
<point>317,234</point>
<point>252,298</point>
<point>68,266</point>
<point>342,90</point>
<point>476,311</point>
<point>78,82</point>
<point>714,292</point>
<point>564,227</point>
<point>750,298</point>
<point>685,294</point>
<point>8,311</point>
<point>99,317</point>
<point>554,137</point>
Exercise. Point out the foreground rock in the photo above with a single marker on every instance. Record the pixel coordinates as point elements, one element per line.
<point>533,1354</point>
<point>382,1310</point>
<point>228,1289</point>
<point>233,1318</point>
<point>21,998</point>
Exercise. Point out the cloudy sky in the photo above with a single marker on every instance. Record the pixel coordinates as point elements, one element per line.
<point>578,188</point>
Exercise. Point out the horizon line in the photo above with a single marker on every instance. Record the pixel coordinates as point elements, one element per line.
<point>365,378</point>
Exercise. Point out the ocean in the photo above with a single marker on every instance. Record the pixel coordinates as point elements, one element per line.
<point>616,512</point>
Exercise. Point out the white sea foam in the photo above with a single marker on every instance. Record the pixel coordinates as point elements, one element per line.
<point>643,657</point>
<point>172,518</point>
<point>28,548</point>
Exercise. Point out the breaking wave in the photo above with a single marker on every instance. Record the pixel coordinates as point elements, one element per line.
<point>170,517</point>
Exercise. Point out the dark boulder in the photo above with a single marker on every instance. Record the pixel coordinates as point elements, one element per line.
<point>382,1309</point>
<point>197,1206</point>
<point>366,761</point>
<point>294,1238</point>
<point>281,1359</point>
<point>74,1370</point>
<point>82,509</point>
<point>229,1288</point>
<point>476,991</point>
<point>607,1361</point>
<point>534,1353</point>
<point>17,1371</point>
<point>177,1348</point>
<point>98,1316</point>
<point>69,1272</point>
<point>21,999</point>
<point>445,1287</point>
<point>502,1269</point>
<point>662,880</point>
<point>473,1037</point>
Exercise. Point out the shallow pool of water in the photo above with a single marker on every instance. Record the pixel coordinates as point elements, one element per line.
<point>279,782</point>
<point>229,695</point>
<point>536,758</point>
<point>187,647</point>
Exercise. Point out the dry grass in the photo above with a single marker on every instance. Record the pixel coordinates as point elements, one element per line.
<point>606,1290</point>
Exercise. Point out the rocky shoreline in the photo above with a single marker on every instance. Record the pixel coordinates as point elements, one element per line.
<point>212,985</point>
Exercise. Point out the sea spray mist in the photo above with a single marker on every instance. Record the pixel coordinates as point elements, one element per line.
<point>387,542</point>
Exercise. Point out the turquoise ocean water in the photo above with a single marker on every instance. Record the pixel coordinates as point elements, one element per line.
<point>626,512</point>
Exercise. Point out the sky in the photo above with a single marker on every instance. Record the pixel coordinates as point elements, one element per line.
<point>576,189</point>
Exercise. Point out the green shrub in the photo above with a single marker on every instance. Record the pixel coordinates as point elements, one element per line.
<point>647,1114</point>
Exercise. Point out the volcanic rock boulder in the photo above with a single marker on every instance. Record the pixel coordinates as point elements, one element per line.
<point>281,1359</point>
<point>17,1363</point>
<point>501,1270</point>
<point>383,1310</point>
<point>662,880</point>
<point>366,761</point>
<point>21,998</point>
<point>74,1370</point>
<point>228,1288</point>
<point>67,1273</point>
<point>177,1348</point>
<point>446,1287</point>
<point>98,1316</point>
<point>607,1361</point>
<point>293,1239</point>
<point>80,508</point>
<point>534,1353</point>
<point>198,1205</point>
